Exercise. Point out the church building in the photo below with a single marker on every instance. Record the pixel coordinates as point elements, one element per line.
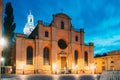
<point>53,48</point>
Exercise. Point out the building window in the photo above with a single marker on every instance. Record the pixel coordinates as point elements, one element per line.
<point>103,67</point>
<point>76,57</point>
<point>86,58</point>
<point>103,62</point>
<point>46,56</point>
<point>46,34</point>
<point>62,44</point>
<point>30,55</point>
<point>30,20</point>
<point>112,61</point>
<point>76,38</point>
<point>62,25</point>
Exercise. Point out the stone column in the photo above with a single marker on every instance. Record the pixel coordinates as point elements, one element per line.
<point>54,53</point>
<point>82,49</point>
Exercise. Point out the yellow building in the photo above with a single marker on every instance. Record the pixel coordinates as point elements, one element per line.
<point>109,62</point>
<point>52,48</point>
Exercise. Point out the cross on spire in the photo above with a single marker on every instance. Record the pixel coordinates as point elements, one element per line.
<point>61,10</point>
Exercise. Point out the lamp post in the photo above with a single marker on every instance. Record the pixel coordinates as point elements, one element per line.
<point>54,67</point>
<point>3,43</point>
<point>76,69</point>
<point>73,68</point>
<point>23,65</point>
<point>93,68</point>
<point>2,64</point>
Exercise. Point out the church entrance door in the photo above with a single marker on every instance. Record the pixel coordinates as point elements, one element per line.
<point>63,62</point>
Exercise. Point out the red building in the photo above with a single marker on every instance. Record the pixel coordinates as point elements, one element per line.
<point>53,48</point>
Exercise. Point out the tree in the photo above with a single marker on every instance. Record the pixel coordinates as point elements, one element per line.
<point>9,27</point>
<point>97,55</point>
<point>104,54</point>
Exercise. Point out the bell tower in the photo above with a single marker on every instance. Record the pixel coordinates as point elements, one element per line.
<point>29,25</point>
<point>30,19</point>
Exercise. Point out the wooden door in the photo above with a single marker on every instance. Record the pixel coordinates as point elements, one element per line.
<point>63,62</point>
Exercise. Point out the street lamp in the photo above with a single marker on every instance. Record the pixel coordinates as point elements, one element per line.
<point>23,65</point>
<point>93,68</point>
<point>3,43</point>
<point>54,67</point>
<point>73,68</point>
<point>2,64</point>
<point>76,69</point>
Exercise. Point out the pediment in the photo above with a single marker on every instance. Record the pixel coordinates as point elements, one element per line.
<point>63,15</point>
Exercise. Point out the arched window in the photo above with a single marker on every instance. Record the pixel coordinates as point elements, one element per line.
<point>86,58</point>
<point>62,25</point>
<point>30,20</point>
<point>29,55</point>
<point>76,38</point>
<point>46,56</point>
<point>76,57</point>
<point>46,34</point>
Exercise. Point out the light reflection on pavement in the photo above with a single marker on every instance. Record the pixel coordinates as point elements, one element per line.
<point>53,77</point>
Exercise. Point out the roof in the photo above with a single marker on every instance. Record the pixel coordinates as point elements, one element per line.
<point>116,52</point>
<point>62,15</point>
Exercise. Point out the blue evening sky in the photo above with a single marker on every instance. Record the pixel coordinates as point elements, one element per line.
<point>99,18</point>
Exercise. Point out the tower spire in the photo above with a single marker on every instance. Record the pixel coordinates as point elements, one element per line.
<point>61,10</point>
<point>30,12</point>
<point>29,25</point>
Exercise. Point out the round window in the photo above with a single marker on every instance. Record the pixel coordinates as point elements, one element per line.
<point>62,44</point>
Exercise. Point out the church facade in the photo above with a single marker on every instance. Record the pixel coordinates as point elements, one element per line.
<point>53,48</point>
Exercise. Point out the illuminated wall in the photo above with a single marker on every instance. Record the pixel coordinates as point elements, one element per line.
<point>61,41</point>
<point>109,62</point>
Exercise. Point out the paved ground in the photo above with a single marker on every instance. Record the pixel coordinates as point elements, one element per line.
<point>51,77</point>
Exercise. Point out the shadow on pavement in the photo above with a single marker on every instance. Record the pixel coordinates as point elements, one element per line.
<point>66,78</point>
<point>86,77</point>
<point>40,77</point>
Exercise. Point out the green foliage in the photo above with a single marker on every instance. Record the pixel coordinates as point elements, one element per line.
<point>101,55</point>
<point>104,54</point>
<point>9,27</point>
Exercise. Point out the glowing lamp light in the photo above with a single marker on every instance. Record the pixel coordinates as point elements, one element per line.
<point>23,65</point>
<point>54,66</point>
<point>3,42</point>
<point>73,66</point>
<point>2,59</point>
<point>76,66</point>
<point>93,67</point>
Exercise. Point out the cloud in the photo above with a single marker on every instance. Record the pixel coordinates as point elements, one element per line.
<point>106,44</point>
<point>100,19</point>
<point>107,41</point>
<point>100,51</point>
<point>105,24</point>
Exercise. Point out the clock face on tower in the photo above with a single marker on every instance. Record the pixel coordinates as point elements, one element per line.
<point>31,29</point>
